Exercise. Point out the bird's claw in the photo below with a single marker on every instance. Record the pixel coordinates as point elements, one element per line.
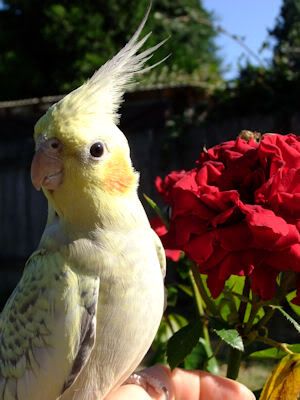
<point>147,381</point>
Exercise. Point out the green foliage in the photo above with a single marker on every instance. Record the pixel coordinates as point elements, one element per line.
<point>293,306</point>
<point>288,317</point>
<point>200,358</point>
<point>273,353</point>
<point>229,301</point>
<point>170,324</point>
<point>287,35</point>
<point>238,318</point>
<point>156,209</point>
<point>258,90</point>
<point>197,357</point>
<point>231,337</point>
<point>49,47</point>
<point>272,87</point>
<point>182,343</point>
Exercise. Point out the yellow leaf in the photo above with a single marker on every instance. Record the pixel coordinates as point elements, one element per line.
<point>284,382</point>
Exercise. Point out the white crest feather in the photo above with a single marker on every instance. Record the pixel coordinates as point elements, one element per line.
<point>103,92</point>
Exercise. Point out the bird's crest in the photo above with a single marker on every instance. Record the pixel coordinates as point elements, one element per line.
<point>103,92</point>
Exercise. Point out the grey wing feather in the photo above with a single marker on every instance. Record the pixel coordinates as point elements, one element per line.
<point>87,336</point>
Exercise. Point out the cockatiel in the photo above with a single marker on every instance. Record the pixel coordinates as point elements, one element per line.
<point>91,297</point>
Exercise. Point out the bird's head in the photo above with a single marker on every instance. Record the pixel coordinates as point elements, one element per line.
<point>82,160</point>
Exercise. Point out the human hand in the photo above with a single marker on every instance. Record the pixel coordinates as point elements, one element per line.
<point>185,385</point>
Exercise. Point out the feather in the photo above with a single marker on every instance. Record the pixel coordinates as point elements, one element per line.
<point>103,92</point>
<point>47,329</point>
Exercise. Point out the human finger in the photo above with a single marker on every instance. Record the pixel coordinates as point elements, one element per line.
<point>200,385</point>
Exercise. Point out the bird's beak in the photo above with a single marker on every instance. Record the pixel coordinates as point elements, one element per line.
<point>47,165</point>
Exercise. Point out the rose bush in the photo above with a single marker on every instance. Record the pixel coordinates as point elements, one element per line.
<point>238,211</point>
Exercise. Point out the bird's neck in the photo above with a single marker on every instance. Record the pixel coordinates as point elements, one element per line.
<point>81,217</point>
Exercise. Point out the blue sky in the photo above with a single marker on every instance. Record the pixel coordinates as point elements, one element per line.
<point>247,18</point>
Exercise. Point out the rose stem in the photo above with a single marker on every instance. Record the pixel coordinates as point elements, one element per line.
<point>235,355</point>
<point>266,318</point>
<point>234,363</point>
<point>282,291</point>
<point>258,304</point>
<point>255,307</point>
<point>243,304</point>
<point>200,308</point>
<point>270,342</point>
<point>202,291</point>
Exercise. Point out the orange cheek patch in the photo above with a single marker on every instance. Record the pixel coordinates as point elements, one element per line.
<point>118,175</point>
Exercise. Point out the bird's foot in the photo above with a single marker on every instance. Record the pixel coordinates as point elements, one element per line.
<point>148,382</point>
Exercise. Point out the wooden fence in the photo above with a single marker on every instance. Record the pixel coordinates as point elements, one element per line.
<point>144,121</point>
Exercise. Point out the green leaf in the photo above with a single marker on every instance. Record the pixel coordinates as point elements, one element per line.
<point>227,308</point>
<point>172,295</point>
<point>228,302</point>
<point>211,364</point>
<point>288,317</point>
<point>201,358</point>
<point>231,337</point>
<point>182,343</point>
<point>218,324</point>
<point>183,272</point>
<point>169,324</point>
<point>293,306</point>
<point>231,298</point>
<point>186,289</point>
<point>157,210</point>
<point>235,283</point>
<point>198,357</point>
<point>260,313</point>
<point>273,353</point>
<point>176,321</point>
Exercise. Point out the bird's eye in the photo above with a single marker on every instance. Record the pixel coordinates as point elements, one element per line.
<point>97,150</point>
<point>55,144</point>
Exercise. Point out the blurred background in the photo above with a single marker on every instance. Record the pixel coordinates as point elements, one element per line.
<point>233,65</point>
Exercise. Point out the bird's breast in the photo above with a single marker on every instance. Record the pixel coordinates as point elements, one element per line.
<point>130,307</point>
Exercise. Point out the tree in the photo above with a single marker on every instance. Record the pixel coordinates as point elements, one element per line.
<point>287,36</point>
<point>49,47</point>
<point>268,89</point>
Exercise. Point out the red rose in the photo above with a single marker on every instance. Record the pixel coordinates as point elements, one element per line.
<point>228,151</point>
<point>281,192</point>
<point>238,211</point>
<point>164,187</point>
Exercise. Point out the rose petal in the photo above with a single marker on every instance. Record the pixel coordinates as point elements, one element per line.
<point>287,259</point>
<point>200,248</point>
<point>173,255</point>
<point>264,282</point>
